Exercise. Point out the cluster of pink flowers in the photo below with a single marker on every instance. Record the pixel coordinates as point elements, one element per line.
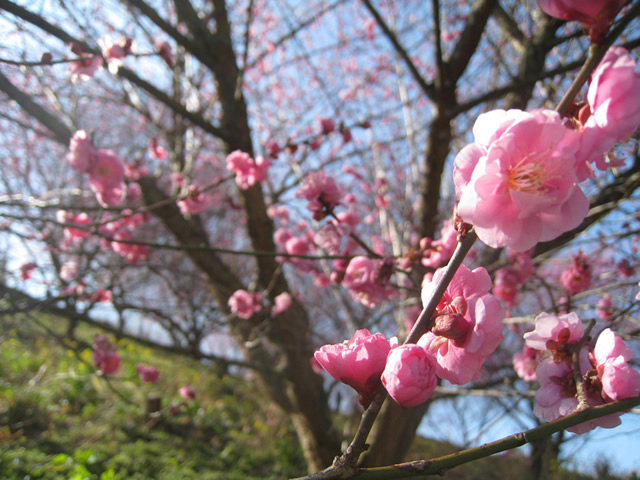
<point>195,202</point>
<point>104,355</point>
<point>248,171</point>
<point>106,170</point>
<point>468,328</point>
<point>604,369</point>
<point>576,277</point>
<point>122,241</point>
<point>518,182</point>
<point>244,304</point>
<point>147,373</point>
<point>321,192</point>
<point>509,279</point>
<point>437,253</point>
<point>368,280</point>
<point>72,235</point>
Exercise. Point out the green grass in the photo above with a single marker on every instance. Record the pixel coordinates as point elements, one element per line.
<point>60,420</point>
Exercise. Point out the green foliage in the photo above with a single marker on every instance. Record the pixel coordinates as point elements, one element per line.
<point>60,420</point>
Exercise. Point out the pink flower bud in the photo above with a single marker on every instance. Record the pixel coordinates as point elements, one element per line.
<point>409,375</point>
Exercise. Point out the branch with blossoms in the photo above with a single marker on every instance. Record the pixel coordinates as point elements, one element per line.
<point>439,465</point>
<point>517,185</point>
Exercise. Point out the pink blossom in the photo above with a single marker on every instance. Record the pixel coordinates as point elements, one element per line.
<point>81,152</point>
<point>187,392</point>
<point>321,193</point>
<point>244,304</point>
<point>367,280</point>
<point>104,355</point>
<point>594,15</point>
<point>618,379</point>
<point>625,269</point>
<point>147,373</point>
<point>517,183</point>
<point>439,252</point>
<point>279,212</point>
<point>74,234</point>
<point>83,69</point>
<point>409,375</point>
<point>507,282</point>
<point>281,304</point>
<point>26,270</point>
<point>577,276</point>
<point>248,171</point>
<point>106,178</point>
<point>615,106</point>
<point>468,324</point>
<point>156,150</point>
<point>558,334</point>
<point>604,308</point>
<point>131,252</point>
<point>525,363</point>
<point>114,51</point>
<point>358,362</point>
<point>100,296</point>
<point>556,396</point>
<point>194,202</point>
<point>165,51</point>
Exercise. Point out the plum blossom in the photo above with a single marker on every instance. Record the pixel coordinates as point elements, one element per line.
<point>468,324</point>
<point>557,334</point>
<point>525,364</point>
<point>614,103</point>
<point>368,280</point>
<point>409,375</point>
<point>281,303</point>
<point>156,150</point>
<point>576,277</point>
<point>244,304</point>
<point>594,15</point>
<point>248,171</point>
<point>321,193</point>
<point>114,51</point>
<point>358,362</point>
<point>72,234</point>
<point>604,308</point>
<point>194,202</point>
<point>104,355</point>
<point>439,251</point>
<point>606,375</point>
<point>517,183</point>
<point>147,373</point>
<point>69,270</point>
<point>84,68</point>
<point>106,178</point>
<point>81,152</point>
<point>27,269</point>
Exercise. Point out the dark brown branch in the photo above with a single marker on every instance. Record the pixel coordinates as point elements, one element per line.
<point>427,88</point>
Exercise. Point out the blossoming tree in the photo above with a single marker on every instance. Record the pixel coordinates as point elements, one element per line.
<point>254,182</point>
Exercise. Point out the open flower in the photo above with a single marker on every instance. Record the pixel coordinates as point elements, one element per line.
<point>517,183</point>
<point>468,324</point>
<point>358,362</point>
